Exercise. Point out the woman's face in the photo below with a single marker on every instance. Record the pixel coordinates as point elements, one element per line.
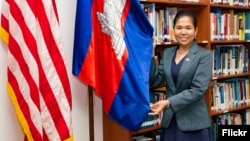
<point>185,31</point>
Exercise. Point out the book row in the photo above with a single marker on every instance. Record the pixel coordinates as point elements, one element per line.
<point>240,118</point>
<point>230,93</point>
<point>231,2</point>
<point>151,136</point>
<point>228,24</point>
<point>230,59</point>
<point>153,120</point>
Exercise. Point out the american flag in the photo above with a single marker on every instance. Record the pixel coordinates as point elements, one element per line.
<point>38,83</point>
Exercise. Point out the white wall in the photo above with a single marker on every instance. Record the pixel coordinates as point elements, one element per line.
<point>9,126</point>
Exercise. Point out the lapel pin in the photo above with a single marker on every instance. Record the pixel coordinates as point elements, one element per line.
<point>187,60</point>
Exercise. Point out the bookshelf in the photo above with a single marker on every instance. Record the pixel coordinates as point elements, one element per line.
<point>202,8</point>
<point>232,100</point>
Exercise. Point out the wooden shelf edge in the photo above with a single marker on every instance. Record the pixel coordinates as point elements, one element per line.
<point>168,2</point>
<point>146,130</point>
<point>229,6</point>
<point>228,110</point>
<point>218,77</point>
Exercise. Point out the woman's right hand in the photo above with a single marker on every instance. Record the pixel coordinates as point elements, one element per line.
<point>158,107</point>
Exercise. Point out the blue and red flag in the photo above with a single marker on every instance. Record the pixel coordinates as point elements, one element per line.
<point>112,53</point>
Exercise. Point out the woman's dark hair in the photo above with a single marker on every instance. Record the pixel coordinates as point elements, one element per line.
<point>188,14</point>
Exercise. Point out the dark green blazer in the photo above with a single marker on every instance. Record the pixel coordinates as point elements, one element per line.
<point>187,97</point>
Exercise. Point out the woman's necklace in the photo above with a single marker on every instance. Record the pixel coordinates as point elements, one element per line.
<point>182,52</point>
<point>179,52</point>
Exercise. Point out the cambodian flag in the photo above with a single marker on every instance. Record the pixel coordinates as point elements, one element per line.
<point>112,53</point>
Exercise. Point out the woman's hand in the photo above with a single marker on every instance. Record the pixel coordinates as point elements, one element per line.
<point>158,107</point>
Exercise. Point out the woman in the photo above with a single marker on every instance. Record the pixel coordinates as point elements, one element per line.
<point>187,70</point>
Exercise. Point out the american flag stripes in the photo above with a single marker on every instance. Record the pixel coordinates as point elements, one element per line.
<point>38,83</point>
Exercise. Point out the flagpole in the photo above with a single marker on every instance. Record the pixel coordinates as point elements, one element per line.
<point>91,113</point>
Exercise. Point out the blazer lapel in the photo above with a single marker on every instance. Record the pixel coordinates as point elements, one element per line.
<point>169,59</point>
<point>187,63</point>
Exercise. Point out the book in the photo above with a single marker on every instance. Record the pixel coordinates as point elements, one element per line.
<point>241,19</point>
<point>235,88</point>
<point>149,9</point>
<point>247,25</point>
<point>217,12</point>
